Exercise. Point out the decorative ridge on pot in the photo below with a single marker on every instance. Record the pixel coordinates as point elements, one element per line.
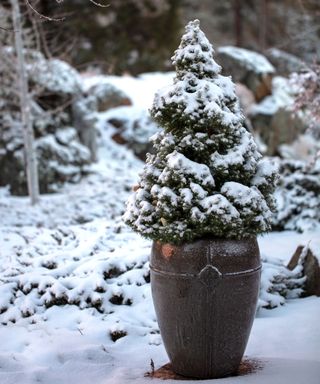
<point>231,257</point>
<point>203,196</point>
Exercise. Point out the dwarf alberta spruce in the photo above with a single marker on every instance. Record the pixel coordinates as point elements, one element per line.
<point>206,176</point>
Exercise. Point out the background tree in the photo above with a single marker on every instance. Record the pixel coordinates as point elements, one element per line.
<point>30,153</point>
<point>263,23</point>
<point>238,27</point>
<point>42,103</point>
<point>307,98</point>
<point>146,32</point>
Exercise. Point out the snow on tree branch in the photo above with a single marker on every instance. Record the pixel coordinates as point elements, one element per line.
<point>206,175</point>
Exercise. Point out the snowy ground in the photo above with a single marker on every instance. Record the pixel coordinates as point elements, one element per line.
<point>75,302</point>
<point>73,347</point>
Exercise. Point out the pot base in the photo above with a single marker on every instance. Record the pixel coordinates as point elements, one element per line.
<point>205,296</point>
<point>247,367</point>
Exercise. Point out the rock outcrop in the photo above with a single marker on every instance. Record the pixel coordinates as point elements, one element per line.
<point>132,127</point>
<point>285,63</point>
<point>249,68</point>
<point>273,118</point>
<point>305,256</point>
<point>108,96</point>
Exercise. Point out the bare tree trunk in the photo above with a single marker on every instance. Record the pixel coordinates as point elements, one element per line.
<point>263,19</point>
<point>237,22</point>
<point>30,152</point>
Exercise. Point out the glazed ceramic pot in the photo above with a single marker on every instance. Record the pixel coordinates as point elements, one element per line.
<point>205,295</point>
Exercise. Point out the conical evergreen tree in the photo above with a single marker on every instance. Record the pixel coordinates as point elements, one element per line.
<point>206,176</point>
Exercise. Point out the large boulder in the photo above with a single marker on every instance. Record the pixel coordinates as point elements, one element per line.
<point>284,62</point>
<point>274,119</point>
<point>247,67</point>
<point>132,127</point>
<point>310,262</point>
<point>246,98</point>
<point>12,158</point>
<point>108,96</point>
<point>54,84</point>
<point>98,98</point>
<point>53,75</point>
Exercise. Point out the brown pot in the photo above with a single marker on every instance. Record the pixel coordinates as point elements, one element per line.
<point>205,295</point>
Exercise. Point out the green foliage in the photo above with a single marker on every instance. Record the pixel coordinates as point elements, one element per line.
<point>206,176</point>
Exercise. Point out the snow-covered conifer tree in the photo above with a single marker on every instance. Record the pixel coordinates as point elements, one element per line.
<point>206,176</point>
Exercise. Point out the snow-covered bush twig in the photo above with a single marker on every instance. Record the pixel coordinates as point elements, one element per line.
<point>308,96</point>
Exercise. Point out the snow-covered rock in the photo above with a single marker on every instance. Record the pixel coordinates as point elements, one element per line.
<point>246,97</point>
<point>247,67</point>
<point>53,85</point>
<point>133,127</point>
<point>273,118</point>
<point>284,62</point>
<point>53,75</point>
<point>108,96</point>
<point>309,260</point>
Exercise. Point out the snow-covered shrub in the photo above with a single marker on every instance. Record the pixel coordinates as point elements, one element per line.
<point>61,158</point>
<point>206,175</point>
<point>95,267</point>
<point>298,196</point>
<point>53,85</point>
<point>279,283</point>
<point>308,96</point>
<point>75,266</point>
<point>304,148</point>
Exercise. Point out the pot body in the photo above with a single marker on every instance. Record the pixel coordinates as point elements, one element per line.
<point>205,295</point>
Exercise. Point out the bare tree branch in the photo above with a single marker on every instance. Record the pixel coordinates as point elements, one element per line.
<point>43,16</point>
<point>7,29</point>
<point>99,4</point>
